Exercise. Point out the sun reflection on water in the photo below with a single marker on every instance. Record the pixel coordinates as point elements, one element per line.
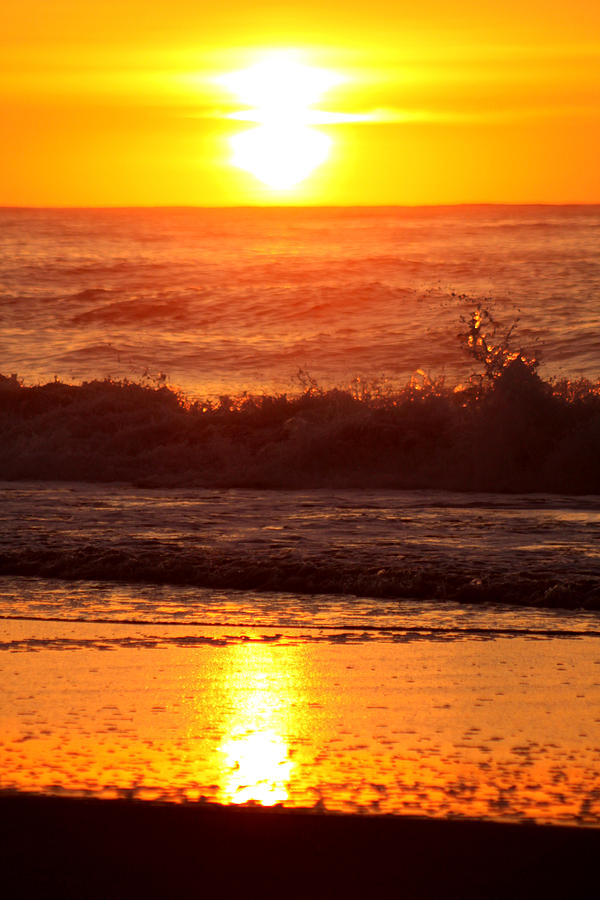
<point>495,729</point>
<point>255,751</point>
<point>257,768</point>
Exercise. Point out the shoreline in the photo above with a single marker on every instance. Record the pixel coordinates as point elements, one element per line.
<point>84,847</point>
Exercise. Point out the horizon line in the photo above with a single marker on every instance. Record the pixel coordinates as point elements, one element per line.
<point>281,206</point>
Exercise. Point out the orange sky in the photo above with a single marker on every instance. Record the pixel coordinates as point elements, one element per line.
<point>115,103</point>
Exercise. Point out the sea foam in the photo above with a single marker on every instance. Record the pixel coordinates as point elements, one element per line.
<point>510,432</point>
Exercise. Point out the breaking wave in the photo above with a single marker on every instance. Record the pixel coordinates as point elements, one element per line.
<point>506,430</point>
<point>137,562</point>
<point>511,433</point>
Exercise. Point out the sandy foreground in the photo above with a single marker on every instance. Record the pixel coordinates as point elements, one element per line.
<point>433,731</point>
<point>71,847</point>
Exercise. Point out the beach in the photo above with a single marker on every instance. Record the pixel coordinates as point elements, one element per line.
<point>299,568</point>
<point>145,759</point>
<point>332,702</point>
<point>94,848</point>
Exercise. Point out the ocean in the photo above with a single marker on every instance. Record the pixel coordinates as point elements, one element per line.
<point>224,301</point>
<point>302,507</point>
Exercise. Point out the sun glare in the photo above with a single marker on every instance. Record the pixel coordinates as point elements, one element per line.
<point>279,84</point>
<point>257,768</point>
<point>279,92</point>
<point>280,157</point>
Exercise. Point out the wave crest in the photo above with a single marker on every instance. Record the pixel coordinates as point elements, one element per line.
<point>511,431</point>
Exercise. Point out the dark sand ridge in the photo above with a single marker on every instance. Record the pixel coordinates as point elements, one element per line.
<point>69,847</point>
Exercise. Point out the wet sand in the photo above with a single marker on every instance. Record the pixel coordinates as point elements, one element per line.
<point>443,720</point>
<point>437,724</point>
<point>118,848</point>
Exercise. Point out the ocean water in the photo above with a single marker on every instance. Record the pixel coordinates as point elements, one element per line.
<point>291,542</point>
<point>222,301</point>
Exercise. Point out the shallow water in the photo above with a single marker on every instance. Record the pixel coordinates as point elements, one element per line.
<point>130,685</point>
<point>506,728</point>
<point>527,550</point>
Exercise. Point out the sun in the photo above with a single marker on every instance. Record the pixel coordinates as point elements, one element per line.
<point>280,156</point>
<point>279,84</point>
<point>279,92</point>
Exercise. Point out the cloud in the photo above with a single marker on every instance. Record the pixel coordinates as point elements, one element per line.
<point>391,115</point>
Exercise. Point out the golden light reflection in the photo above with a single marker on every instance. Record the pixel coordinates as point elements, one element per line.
<point>497,729</point>
<point>256,761</point>
<point>258,768</point>
<point>280,91</point>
